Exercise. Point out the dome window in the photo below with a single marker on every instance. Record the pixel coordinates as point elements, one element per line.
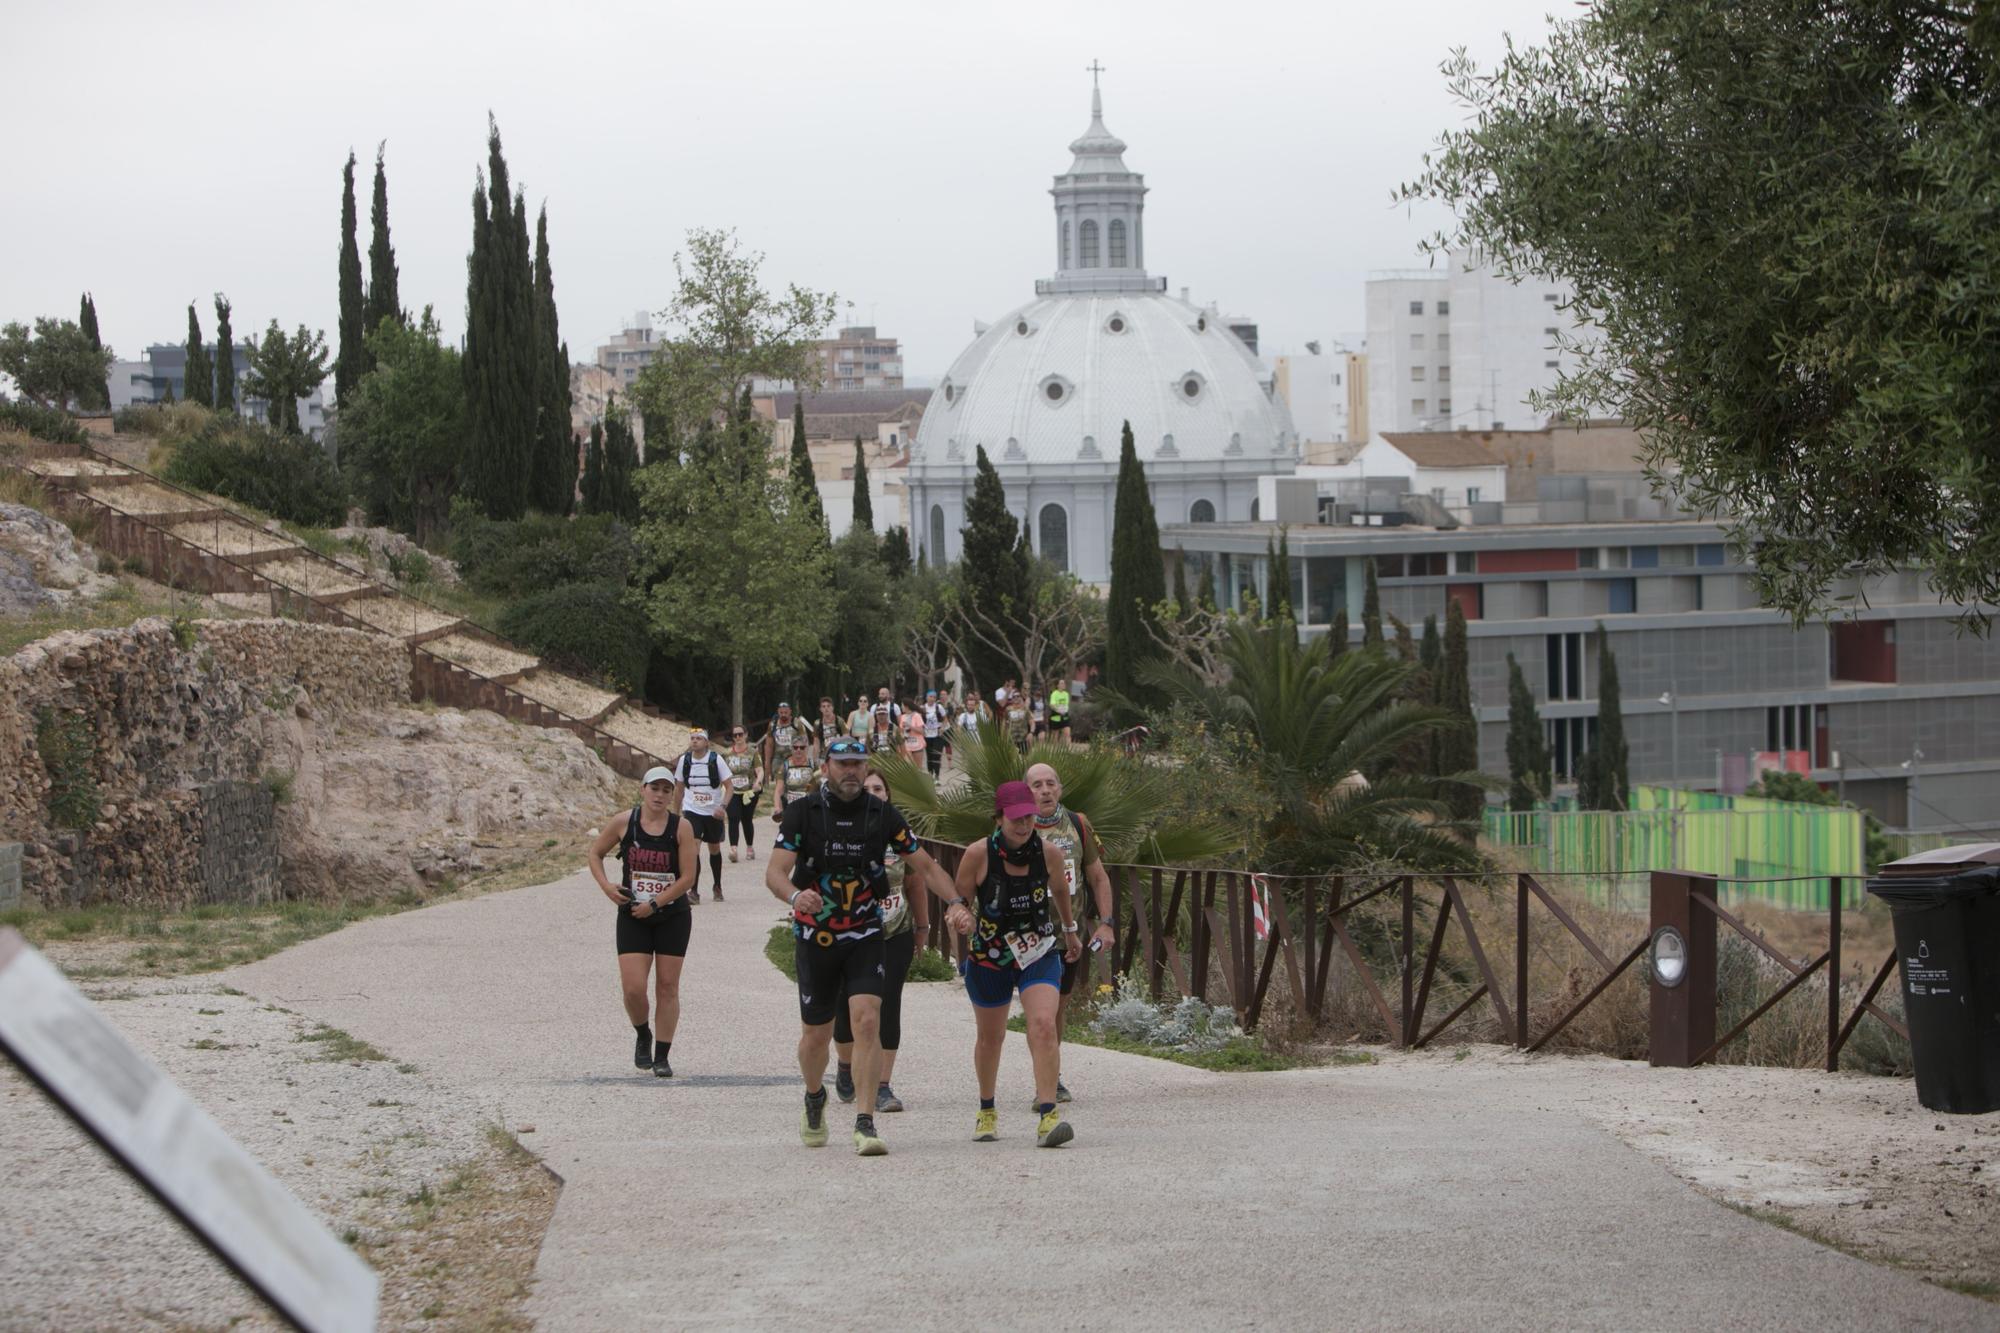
<point>1056,390</point>
<point>1201,324</point>
<point>1190,387</point>
<point>1116,324</point>
<point>950,393</point>
<point>1022,328</point>
<point>1201,511</point>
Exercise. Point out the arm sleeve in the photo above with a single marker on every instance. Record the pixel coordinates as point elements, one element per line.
<point>901,838</point>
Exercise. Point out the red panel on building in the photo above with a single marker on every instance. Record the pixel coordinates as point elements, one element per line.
<point>1527,562</point>
<point>1467,595</point>
<point>1865,650</point>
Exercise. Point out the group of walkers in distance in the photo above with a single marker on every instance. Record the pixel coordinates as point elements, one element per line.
<point>861,892</point>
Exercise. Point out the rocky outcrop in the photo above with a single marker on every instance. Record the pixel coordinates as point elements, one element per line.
<point>42,563</point>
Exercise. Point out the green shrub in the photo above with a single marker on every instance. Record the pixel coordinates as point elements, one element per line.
<point>287,476</point>
<point>519,558</point>
<point>411,567</point>
<point>585,627</point>
<point>44,423</point>
<point>140,419</point>
<point>68,745</point>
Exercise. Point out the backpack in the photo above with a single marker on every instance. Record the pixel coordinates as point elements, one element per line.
<point>714,768</point>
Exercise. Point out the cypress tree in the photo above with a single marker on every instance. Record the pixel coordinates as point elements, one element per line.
<point>864,504</point>
<point>895,551</point>
<point>593,471</point>
<point>1604,784</point>
<point>805,482</point>
<point>1341,631</point>
<point>1204,593</point>
<point>200,377</point>
<point>1430,660</point>
<point>499,343</point>
<point>1459,752</point>
<point>383,301</point>
<point>996,580</point>
<point>621,460</point>
<point>553,480</point>
<point>1281,578</point>
<point>350,363</point>
<point>1527,747</point>
<point>86,318</point>
<point>1182,606</point>
<point>1371,611</point>
<point>1138,576</point>
<point>225,357</point>
<point>1431,653</point>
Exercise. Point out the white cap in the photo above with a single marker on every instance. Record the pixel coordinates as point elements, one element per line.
<point>657,773</point>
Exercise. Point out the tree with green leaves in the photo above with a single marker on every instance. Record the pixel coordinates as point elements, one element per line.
<point>403,431</point>
<point>994,575</point>
<point>1204,594</point>
<point>1528,763</point>
<point>1458,747</point>
<point>283,369</point>
<point>1182,606</point>
<point>225,357</point>
<point>1830,168</point>
<point>383,302</point>
<point>499,359</point>
<point>895,551</point>
<point>86,319</point>
<point>1603,783</point>
<point>1341,632</point>
<point>351,362</point>
<point>592,500</point>
<point>1280,564</point>
<point>552,487</point>
<point>1138,577</point>
<point>805,480</point>
<point>199,382</point>
<point>1371,609</point>
<point>619,495</point>
<point>864,503</point>
<point>56,364</point>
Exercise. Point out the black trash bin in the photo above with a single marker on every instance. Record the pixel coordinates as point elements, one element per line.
<point>1946,909</point>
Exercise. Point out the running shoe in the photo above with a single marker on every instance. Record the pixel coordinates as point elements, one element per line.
<point>694,897</point>
<point>750,852</point>
<point>987,1128</point>
<point>867,1143</point>
<point>886,1100</point>
<point>843,1083</point>
<point>1054,1131</point>
<point>1062,1093</point>
<point>718,893</point>
<point>732,853</point>
<point>812,1123</point>
<point>642,1049</point>
<point>661,1069</point>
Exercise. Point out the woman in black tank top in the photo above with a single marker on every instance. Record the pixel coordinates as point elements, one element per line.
<point>656,849</point>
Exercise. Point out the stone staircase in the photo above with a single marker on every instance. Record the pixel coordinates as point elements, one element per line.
<point>187,540</point>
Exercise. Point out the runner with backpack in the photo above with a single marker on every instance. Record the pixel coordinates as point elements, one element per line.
<point>704,782</point>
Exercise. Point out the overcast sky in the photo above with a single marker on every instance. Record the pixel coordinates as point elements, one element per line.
<point>897,154</point>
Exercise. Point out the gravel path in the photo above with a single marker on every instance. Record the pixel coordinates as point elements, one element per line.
<point>1393,1195</point>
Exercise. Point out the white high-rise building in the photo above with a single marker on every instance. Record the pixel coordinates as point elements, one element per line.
<point>1460,348</point>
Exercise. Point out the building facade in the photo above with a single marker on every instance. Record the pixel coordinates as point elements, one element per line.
<point>859,359</point>
<point>1046,391</point>
<point>1896,705</point>
<point>165,369</point>
<point>628,353</point>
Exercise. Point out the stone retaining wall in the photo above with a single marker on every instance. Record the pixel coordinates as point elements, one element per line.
<point>176,714</point>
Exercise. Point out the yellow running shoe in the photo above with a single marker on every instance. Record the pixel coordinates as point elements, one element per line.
<point>1054,1131</point>
<point>867,1143</point>
<point>812,1125</point>
<point>987,1128</point>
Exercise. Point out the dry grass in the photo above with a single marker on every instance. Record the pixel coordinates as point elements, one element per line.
<point>478,655</point>
<point>655,735</point>
<point>144,498</point>
<point>395,615</point>
<point>313,577</point>
<point>565,694</point>
<point>228,537</point>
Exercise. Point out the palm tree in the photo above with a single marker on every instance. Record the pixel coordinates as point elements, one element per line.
<point>1318,720</point>
<point>1121,797</point>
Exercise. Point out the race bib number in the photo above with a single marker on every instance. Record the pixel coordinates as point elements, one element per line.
<point>1028,947</point>
<point>649,888</point>
<point>703,799</point>
<point>1069,873</point>
<point>740,781</point>
<point>894,908</point>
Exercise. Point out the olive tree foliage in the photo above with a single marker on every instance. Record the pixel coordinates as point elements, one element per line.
<point>723,330</point>
<point>1781,218</point>
<point>283,369</point>
<point>55,365</point>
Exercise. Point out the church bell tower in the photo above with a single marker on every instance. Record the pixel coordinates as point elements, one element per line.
<point>1100,214</point>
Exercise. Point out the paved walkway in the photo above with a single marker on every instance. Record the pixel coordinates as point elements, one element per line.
<point>1339,1197</point>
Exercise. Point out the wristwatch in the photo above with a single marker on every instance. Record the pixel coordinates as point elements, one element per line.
<point>955,902</point>
<point>1069,927</point>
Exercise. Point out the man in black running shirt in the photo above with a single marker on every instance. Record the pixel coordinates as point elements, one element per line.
<point>828,868</point>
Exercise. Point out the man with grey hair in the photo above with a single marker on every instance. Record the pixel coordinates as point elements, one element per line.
<point>1070,833</point>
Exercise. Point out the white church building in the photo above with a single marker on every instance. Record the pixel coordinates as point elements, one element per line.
<point>1047,390</point>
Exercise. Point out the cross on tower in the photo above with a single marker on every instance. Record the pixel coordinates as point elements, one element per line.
<point>1095,70</point>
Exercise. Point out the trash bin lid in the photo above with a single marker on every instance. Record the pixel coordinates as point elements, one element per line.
<point>1945,860</point>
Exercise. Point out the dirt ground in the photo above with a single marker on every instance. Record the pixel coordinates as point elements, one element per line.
<point>1850,1160</point>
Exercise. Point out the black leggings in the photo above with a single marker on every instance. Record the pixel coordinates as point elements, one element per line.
<point>742,815</point>
<point>898,951</point>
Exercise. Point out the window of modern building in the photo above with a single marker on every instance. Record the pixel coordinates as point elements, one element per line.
<point>1472,495</point>
<point>1621,596</point>
<point>1586,557</point>
<point>1465,562</point>
<point>1065,245</point>
<point>1054,526</point>
<point>1569,740</point>
<point>1617,557</point>
<point>1416,307</point>
<point>1676,557</point>
<point>1444,406</point>
<point>1416,374</point>
<point>1645,557</point>
<point>1444,307</point>
<point>1444,374</point>
<point>1419,406</point>
<point>1256,508</point>
<point>1444,342</point>
<point>1790,726</point>
<point>1086,243</point>
<point>1201,511</point>
<point>937,552</point>
<point>1428,564</point>
<point>1416,342</point>
<point>1115,236</point>
<point>1390,566</point>
<point>1326,588</point>
<point>1565,665</point>
<point>1711,553</point>
<point>1863,650</point>
<point>1471,599</point>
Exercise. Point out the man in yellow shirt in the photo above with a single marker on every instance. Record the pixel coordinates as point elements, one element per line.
<point>1059,712</point>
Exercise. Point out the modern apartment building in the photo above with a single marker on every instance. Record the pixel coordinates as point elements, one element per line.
<point>859,359</point>
<point>1895,704</point>
<point>630,352</point>
<point>1458,347</point>
<point>165,368</point>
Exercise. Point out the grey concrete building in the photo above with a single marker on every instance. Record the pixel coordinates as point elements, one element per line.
<point>1047,389</point>
<point>1895,704</point>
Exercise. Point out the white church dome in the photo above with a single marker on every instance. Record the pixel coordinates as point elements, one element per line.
<point>1055,381</point>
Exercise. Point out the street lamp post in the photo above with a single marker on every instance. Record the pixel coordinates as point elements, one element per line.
<point>1671,700</point>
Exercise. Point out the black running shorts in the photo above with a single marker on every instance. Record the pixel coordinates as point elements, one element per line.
<point>707,828</point>
<point>662,932</point>
<point>857,966</point>
<point>1071,971</point>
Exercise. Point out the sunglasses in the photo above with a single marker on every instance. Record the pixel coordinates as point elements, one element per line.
<point>847,749</point>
